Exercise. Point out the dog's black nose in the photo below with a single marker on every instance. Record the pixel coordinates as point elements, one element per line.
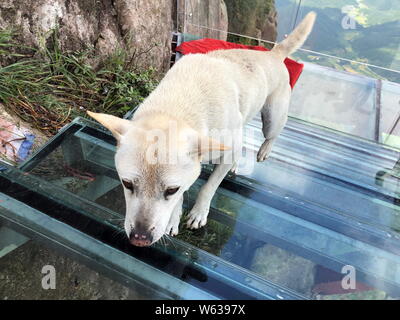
<point>141,236</point>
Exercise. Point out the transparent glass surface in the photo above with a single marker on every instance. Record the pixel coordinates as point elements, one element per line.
<point>390,117</point>
<point>283,229</point>
<point>336,100</point>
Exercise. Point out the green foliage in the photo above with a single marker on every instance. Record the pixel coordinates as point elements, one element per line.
<point>375,42</point>
<point>49,87</point>
<point>122,84</point>
<point>375,11</point>
<point>322,4</point>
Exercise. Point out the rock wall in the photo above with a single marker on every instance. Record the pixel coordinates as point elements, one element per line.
<point>206,18</point>
<point>254,18</point>
<point>148,24</point>
<point>101,24</point>
<point>142,24</point>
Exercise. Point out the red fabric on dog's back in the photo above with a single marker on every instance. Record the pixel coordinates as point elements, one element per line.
<point>207,45</point>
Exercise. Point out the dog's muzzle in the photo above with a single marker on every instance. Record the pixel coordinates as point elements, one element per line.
<point>141,237</point>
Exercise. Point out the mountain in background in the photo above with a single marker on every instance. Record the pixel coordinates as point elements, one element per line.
<point>375,39</point>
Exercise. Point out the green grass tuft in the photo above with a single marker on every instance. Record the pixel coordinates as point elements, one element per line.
<point>49,87</point>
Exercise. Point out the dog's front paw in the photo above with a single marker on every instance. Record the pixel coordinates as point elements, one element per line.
<point>197,218</point>
<point>173,227</point>
<point>234,168</point>
<point>264,151</point>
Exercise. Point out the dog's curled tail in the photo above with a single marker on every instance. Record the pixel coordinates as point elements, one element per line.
<point>296,39</point>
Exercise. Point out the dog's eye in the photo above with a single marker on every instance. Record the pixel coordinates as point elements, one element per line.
<point>170,191</point>
<point>128,184</point>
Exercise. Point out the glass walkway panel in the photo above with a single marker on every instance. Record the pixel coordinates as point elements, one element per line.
<point>288,228</point>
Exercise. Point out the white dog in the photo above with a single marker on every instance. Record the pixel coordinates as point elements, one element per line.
<point>197,113</point>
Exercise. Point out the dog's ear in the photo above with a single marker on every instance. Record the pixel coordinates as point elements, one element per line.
<point>116,125</point>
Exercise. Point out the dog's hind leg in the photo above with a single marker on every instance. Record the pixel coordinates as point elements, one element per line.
<point>173,224</point>
<point>274,116</point>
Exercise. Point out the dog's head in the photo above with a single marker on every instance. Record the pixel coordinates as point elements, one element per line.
<point>157,161</point>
